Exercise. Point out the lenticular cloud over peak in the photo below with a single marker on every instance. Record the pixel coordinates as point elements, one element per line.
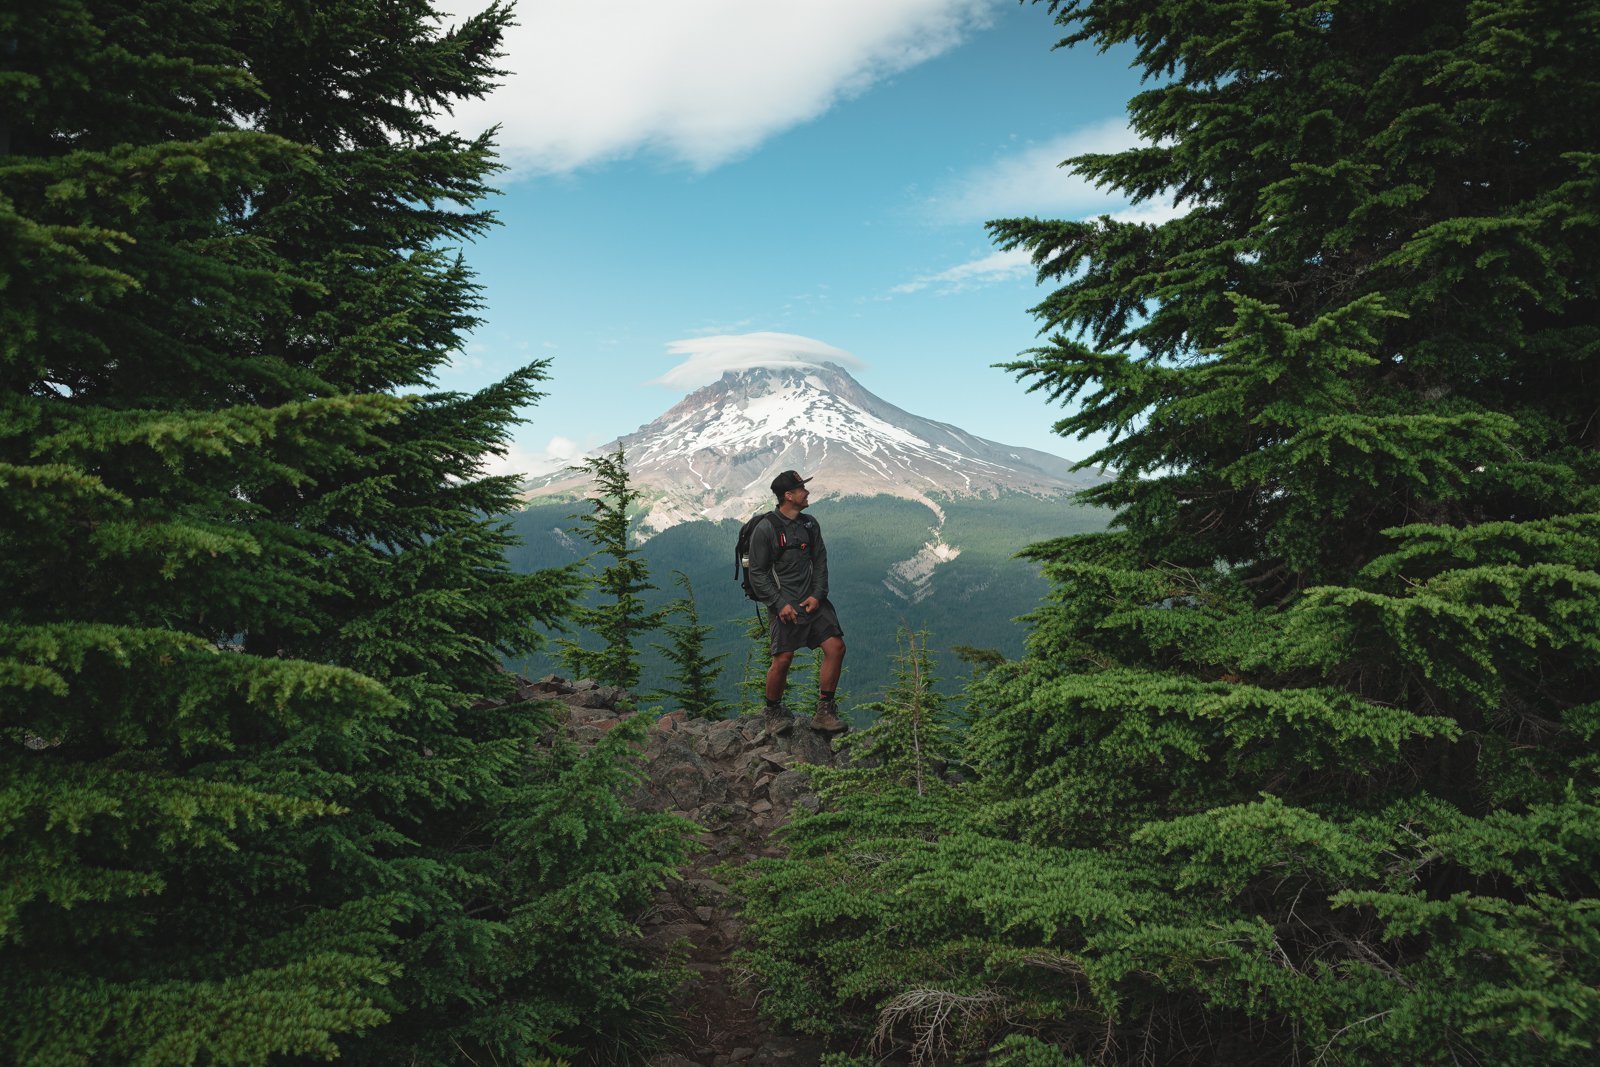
<point>708,357</point>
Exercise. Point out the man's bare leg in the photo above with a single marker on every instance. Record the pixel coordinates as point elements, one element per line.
<point>832,665</point>
<point>778,676</point>
<point>827,717</point>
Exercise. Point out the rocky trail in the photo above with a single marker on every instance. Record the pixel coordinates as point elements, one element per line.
<point>738,781</point>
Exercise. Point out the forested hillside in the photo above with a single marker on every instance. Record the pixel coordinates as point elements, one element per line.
<point>1293,762</point>
<point>1299,764</point>
<point>976,599</point>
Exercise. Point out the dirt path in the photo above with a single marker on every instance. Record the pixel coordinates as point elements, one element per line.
<point>738,780</point>
<point>721,1021</point>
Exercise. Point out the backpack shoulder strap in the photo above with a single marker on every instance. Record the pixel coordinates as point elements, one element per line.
<point>752,528</point>
<point>775,527</point>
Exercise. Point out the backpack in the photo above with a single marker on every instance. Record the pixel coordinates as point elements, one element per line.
<point>741,550</point>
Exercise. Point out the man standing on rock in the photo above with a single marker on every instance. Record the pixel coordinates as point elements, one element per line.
<point>789,573</point>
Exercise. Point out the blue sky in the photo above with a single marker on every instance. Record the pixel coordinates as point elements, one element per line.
<point>696,184</point>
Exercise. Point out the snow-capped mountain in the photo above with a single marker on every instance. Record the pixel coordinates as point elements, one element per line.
<point>713,454</point>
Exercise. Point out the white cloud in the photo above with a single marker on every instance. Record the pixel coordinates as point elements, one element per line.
<point>993,268</point>
<point>698,81</point>
<point>999,267</point>
<point>1151,212</point>
<point>708,357</point>
<point>465,361</point>
<point>529,462</point>
<point>1033,182</point>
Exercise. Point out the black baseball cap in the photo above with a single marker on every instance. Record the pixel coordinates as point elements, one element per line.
<point>786,481</point>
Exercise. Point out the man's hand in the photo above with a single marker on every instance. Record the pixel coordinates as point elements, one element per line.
<point>787,613</point>
<point>810,604</point>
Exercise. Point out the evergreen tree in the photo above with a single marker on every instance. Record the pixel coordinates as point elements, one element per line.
<point>260,796</point>
<point>694,675</point>
<point>620,618</point>
<point>910,740</point>
<point>979,661</point>
<point>757,658</point>
<point>1299,762</point>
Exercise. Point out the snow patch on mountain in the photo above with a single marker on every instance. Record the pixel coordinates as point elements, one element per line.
<point>714,453</point>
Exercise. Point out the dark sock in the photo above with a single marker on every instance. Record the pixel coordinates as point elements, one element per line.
<point>825,694</point>
<point>774,703</point>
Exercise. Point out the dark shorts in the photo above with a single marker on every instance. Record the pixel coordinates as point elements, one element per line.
<point>808,631</point>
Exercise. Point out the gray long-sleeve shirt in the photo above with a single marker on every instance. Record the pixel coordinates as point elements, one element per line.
<point>799,571</point>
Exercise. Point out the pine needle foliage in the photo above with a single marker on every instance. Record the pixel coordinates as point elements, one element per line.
<point>620,619</point>
<point>911,740</point>
<point>817,913</point>
<point>693,678</point>
<point>260,797</point>
<point>1299,764</point>
<point>753,671</point>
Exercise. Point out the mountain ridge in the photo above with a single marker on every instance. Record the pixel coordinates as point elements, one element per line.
<point>712,454</point>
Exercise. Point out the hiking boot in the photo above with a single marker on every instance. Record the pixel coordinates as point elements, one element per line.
<point>827,720</point>
<point>777,719</point>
